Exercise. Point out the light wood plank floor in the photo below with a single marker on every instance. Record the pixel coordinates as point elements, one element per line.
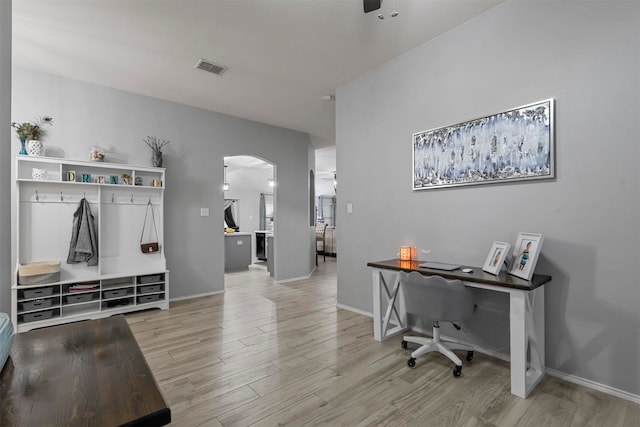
<point>266,354</point>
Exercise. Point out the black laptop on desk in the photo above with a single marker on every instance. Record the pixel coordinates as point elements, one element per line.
<point>439,266</point>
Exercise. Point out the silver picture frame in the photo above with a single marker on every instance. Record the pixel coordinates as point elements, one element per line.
<point>514,145</point>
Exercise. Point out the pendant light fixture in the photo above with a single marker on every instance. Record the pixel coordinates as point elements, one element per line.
<point>225,186</point>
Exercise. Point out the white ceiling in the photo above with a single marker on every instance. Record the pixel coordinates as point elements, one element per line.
<point>282,55</point>
<point>247,173</point>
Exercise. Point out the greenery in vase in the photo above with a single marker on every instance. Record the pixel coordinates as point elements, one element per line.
<point>32,130</point>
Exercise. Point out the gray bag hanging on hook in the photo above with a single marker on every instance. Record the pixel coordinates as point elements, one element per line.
<point>151,247</point>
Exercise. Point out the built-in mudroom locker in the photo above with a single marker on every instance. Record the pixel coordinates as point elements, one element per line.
<point>90,241</point>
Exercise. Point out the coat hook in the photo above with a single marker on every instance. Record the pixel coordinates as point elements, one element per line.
<point>37,196</point>
<point>131,197</point>
<point>113,197</point>
<point>61,198</point>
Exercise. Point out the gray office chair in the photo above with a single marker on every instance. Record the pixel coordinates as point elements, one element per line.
<point>444,300</point>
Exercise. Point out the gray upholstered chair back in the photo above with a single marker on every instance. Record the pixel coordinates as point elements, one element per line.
<point>436,297</point>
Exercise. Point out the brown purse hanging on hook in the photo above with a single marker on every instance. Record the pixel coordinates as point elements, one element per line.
<point>152,247</point>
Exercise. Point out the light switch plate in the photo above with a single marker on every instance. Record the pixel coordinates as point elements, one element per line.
<point>349,207</point>
<point>204,211</point>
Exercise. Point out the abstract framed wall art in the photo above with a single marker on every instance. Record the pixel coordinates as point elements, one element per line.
<point>514,145</point>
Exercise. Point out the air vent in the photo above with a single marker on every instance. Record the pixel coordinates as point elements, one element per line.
<point>209,66</point>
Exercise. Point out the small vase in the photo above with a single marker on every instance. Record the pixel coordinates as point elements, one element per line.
<point>34,147</point>
<point>156,158</point>
<point>23,150</point>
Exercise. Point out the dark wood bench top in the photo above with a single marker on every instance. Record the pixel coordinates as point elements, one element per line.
<point>84,373</point>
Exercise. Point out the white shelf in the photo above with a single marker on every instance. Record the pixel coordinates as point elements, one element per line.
<point>44,223</point>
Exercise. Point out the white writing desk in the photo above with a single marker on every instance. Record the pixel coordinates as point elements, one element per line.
<point>526,313</point>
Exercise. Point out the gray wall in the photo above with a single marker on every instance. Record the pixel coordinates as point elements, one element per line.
<point>87,115</point>
<point>6,140</point>
<point>586,55</point>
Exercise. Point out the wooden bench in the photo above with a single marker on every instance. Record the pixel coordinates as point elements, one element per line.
<point>85,373</point>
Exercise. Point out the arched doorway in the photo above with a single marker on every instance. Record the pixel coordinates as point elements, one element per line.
<point>251,198</point>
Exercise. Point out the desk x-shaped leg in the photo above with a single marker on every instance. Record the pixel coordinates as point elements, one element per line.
<point>527,341</point>
<point>381,294</point>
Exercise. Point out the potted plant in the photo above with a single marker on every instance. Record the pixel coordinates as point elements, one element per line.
<point>32,132</point>
<point>156,147</point>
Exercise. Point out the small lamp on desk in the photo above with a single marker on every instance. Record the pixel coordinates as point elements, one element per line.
<point>407,253</point>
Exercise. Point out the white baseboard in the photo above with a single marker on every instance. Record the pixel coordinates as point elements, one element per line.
<point>355,310</point>
<point>206,294</point>
<point>490,353</point>
<point>594,385</point>
<point>295,278</point>
<point>567,377</point>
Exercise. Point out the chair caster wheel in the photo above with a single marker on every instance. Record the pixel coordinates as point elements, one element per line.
<point>411,363</point>
<point>404,344</point>
<point>469,356</point>
<point>457,371</point>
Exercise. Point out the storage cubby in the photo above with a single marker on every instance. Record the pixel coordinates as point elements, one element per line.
<point>80,310</point>
<point>125,279</point>
<point>39,316</point>
<point>117,303</point>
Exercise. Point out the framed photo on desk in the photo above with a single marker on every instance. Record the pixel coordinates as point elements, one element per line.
<point>497,256</point>
<point>525,255</point>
